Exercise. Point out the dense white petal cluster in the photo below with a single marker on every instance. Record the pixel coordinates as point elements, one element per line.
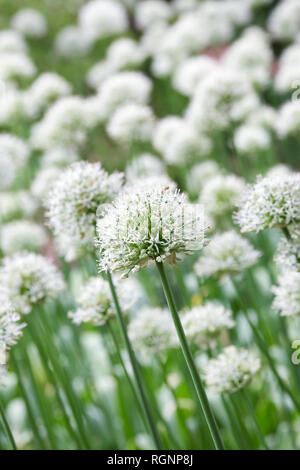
<point>98,73</point>
<point>151,12</point>
<point>287,77</point>
<point>16,205</point>
<point>232,370</point>
<point>204,324</point>
<point>12,41</point>
<point>15,65</point>
<point>131,123</point>
<point>22,235</point>
<point>270,202</point>
<point>10,328</point>
<point>28,279</point>
<point>46,89</point>
<point>14,154</point>
<point>30,22</point>
<point>263,116</point>
<point>71,42</point>
<point>11,104</point>
<point>165,129</point>
<point>199,175</point>
<point>287,256</point>
<point>284,21</point>
<point>123,88</point>
<point>125,53</point>
<point>221,194</point>
<point>151,331</point>
<point>74,198</point>
<point>251,138</point>
<point>227,253</point>
<point>288,119</point>
<point>102,18</point>
<point>287,294</point>
<point>144,165</point>
<point>191,72</point>
<point>156,224</point>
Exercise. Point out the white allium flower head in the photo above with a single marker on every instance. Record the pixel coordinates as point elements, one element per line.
<point>46,89</point>
<point>144,165</point>
<point>232,370</point>
<point>287,294</point>
<point>11,104</point>
<point>75,197</point>
<point>151,331</point>
<point>151,39</point>
<point>71,42</point>
<point>131,123</point>
<point>287,77</point>
<point>15,65</point>
<point>30,22</point>
<point>199,174</point>
<point>288,119</point>
<point>59,156</point>
<point>43,181</point>
<point>123,88</point>
<point>96,305</point>
<point>221,194</point>
<point>165,130</point>
<point>190,73</point>
<point>227,253</point>
<point>22,235</point>
<point>251,138</point>
<point>151,12</point>
<point>14,154</point>
<point>125,53</point>
<point>28,279</point>
<point>264,116</point>
<point>203,324</point>
<point>10,328</point>
<point>156,224</point>
<point>270,202</point>
<point>287,256</point>
<point>68,248</point>
<point>284,21</point>
<point>15,205</point>
<point>99,72</point>
<point>102,18</point>
<point>12,41</point>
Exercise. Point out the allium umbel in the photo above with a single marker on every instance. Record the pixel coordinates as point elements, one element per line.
<point>156,224</point>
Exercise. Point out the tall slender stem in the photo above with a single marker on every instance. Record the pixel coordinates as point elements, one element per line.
<point>252,413</point>
<point>135,366</point>
<point>7,428</point>
<point>210,419</point>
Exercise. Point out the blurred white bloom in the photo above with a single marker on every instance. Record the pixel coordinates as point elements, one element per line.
<point>264,116</point>
<point>68,248</point>
<point>287,256</point>
<point>232,370</point>
<point>251,138</point>
<point>12,41</point>
<point>147,183</point>
<point>15,65</point>
<point>279,170</point>
<point>191,72</point>
<point>144,165</point>
<point>227,253</point>
<point>43,181</point>
<point>59,156</point>
<point>11,104</point>
<point>151,12</point>
<point>151,331</point>
<point>221,194</point>
<point>28,279</point>
<point>288,74</point>
<point>204,324</point>
<point>131,123</point>
<point>288,119</point>
<point>270,202</point>
<point>30,22</point>
<point>125,53</point>
<point>74,198</point>
<point>71,42</point>
<point>14,154</point>
<point>10,328</point>
<point>99,72</point>
<point>154,224</point>
<point>165,129</point>
<point>22,235</point>
<point>199,174</point>
<point>223,98</point>
<point>284,21</point>
<point>16,205</point>
<point>46,89</point>
<point>287,294</point>
<point>123,88</point>
<point>151,39</point>
<point>102,18</point>
<point>65,123</point>
<point>96,305</point>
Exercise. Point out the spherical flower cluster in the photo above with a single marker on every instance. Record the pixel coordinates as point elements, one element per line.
<point>264,116</point>
<point>98,73</point>
<point>73,200</point>
<point>203,324</point>
<point>165,129</point>
<point>143,166</point>
<point>59,156</point>
<point>14,153</point>
<point>287,294</point>
<point>46,89</point>
<point>288,74</point>
<point>43,181</point>
<point>96,303</point>
<point>123,88</point>
<point>284,21</point>
<point>102,18</point>
<point>71,42</point>
<point>10,328</point>
<point>199,174</point>
<point>250,139</point>
<point>270,202</point>
<point>227,253</point>
<point>12,106</point>
<point>151,331</point>
<point>12,41</point>
<point>288,119</point>
<point>190,73</point>
<point>232,370</point>
<point>287,256</point>
<point>131,123</point>
<point>156,224</point>
<point>28,279</point>
<point>16,205</point>
<point>30,22</point>
<point>125,53</point>
<point>22,235</point>
<point>221,194</point>
<point>15,66</point>
<point>151,12</point>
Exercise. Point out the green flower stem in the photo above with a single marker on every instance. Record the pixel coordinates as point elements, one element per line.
<point>236,431</point>
<point>212,425</point>
<point>251,411</point>
<point>135,366</point>
<point>7,429</point>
